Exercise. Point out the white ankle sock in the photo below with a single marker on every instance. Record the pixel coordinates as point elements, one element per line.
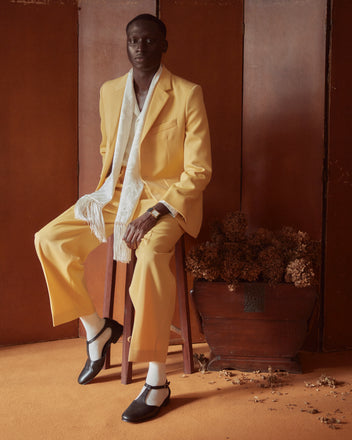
<point>92,325</point>
<point>156,376</point>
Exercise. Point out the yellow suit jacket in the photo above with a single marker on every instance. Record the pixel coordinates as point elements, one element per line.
<point>175,158</point>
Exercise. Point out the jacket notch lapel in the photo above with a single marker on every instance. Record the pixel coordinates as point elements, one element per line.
<point>156,104</point>
<point>158,101</point>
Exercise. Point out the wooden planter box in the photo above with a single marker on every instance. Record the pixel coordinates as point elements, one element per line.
<point>255,327</point>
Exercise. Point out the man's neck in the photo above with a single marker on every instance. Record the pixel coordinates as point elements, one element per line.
<point>141,83</point>
<point>142,80</point>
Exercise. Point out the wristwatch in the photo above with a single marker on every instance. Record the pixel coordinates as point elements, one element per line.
<point>154,212</point>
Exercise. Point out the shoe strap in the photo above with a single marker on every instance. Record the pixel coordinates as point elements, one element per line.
<point>156,387</point>
<point>148,387</point>
<point>106,325</point>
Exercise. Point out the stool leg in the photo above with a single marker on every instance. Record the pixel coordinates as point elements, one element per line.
<point>109,291</point>
<point>126,367</point>
<point>182,290</point>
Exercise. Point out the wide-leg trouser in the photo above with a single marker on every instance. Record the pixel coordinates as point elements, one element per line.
<point>63,246</point>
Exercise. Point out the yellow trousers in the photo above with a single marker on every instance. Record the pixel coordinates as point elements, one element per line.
<point>63,246</point>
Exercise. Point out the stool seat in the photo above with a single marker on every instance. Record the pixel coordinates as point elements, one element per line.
<point>182,294</point>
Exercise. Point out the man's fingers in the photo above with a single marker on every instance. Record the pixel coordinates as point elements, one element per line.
<point>128,237</point>
<point>132,237</point>
<point>137,229</point>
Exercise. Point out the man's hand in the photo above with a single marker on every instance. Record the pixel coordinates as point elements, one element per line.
<point>137,229</point>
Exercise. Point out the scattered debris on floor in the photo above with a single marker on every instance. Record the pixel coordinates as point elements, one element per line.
<point>258,400</point>
<point>327,381</point>
<point>272,379</point>
<point>310,409</point>
<point>330,421</point>
<point>227,374</point>
<point>324,381</point>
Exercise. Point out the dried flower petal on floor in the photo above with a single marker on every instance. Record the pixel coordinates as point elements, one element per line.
<point>324,381</point>
<point>258,400</point>
<point>244,378</point>
<point>330,421</point>
<point>226,374</point>
<point>238,381</point>
<point>327,381</point>
<point>311,411</point>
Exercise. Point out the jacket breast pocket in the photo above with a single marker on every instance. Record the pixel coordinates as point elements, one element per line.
<point>163,127</point>
<point>162,150</point>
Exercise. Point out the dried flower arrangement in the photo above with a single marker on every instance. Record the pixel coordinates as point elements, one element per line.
<point>234,255</point>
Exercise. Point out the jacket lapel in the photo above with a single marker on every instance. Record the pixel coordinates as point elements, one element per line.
<point>158,101</point>
<point>110,119</point>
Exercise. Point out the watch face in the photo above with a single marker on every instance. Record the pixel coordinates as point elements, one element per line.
<point>155,213</point>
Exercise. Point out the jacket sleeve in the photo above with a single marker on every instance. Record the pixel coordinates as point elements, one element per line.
<point>197,157</point>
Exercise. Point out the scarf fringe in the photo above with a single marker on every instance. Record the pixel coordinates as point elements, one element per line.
<point>122,252</point>
<point>87,209</point>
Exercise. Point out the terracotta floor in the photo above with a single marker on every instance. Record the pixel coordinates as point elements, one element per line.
<point>40,399</point>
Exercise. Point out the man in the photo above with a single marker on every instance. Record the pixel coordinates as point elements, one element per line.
<point>156,163</point>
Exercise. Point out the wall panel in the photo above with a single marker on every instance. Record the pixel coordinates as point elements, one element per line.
<point>338,276</point>
<point>283,116</point>
<point>283,113</point>
<point>38,154</point>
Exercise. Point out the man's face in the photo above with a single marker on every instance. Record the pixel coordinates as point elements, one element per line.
<point>145,45</point>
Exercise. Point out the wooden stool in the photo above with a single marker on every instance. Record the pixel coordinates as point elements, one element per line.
<point>182,291</point>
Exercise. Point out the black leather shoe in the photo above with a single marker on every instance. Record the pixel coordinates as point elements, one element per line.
<point>92,368</point>
<point>139,411</point>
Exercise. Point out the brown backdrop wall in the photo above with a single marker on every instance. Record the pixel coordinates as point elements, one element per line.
<point>38,155</point>
<point>283,115</point>
<point>338,275</point>
<point>276,175</point>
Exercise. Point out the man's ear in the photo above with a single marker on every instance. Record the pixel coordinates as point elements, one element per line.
<point>165,46</point>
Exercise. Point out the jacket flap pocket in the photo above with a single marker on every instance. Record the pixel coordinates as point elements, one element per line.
<point>164,126</point>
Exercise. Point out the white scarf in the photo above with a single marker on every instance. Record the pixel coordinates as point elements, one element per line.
<point>90,206</point>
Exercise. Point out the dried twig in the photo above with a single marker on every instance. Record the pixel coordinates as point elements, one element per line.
<point>203,362</point>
